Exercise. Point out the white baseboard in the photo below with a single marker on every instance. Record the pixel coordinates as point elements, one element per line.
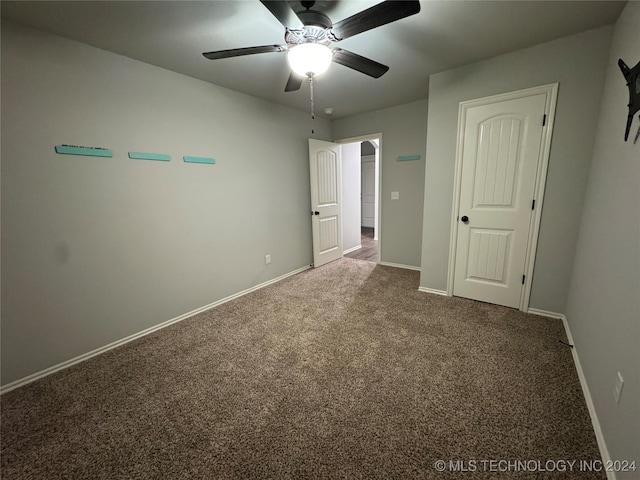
<point>604,451</point>
<point>352,249</point>
<point>85,356</point>
<point>545,313</point>
<point>433,290</point>
<point>399,265</point>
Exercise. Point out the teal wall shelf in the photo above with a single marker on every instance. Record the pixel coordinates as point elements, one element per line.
<point>408,158</point>
<point>210,161</point>
<point>150,156</point>
<point>85,151</point>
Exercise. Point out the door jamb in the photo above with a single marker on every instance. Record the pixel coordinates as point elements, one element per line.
<point>378,137</point>
<point>551,91</point>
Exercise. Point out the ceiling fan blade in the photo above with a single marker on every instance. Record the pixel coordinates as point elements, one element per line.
<point>293,83</point>
<point>376,16</point>
<point>283,12</point>
<point>238,52</point>
<point>359,63</point>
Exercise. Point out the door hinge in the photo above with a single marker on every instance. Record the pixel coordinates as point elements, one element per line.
<point>533,204</point>
<point>544,119</point>
<point>523,277</point>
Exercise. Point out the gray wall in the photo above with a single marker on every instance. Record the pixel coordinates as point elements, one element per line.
<point>350,195</point>
<point>578,64</point>
<point>603,309</point>
<point>403,131</point>
<point>96,249</point>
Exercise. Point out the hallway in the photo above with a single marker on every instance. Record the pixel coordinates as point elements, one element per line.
<point>369,250</point>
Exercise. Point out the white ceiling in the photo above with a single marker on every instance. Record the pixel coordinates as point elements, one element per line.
<point>445,34</point>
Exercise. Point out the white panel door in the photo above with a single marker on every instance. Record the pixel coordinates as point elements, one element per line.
<point>368,193</point>
<point>501,148</point>
<point>326,185</point>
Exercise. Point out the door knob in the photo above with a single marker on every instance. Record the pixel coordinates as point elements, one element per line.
<point>465,219</point>
<point>315,213</point>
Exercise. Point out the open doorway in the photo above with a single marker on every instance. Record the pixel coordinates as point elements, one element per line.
<point>360,198</point>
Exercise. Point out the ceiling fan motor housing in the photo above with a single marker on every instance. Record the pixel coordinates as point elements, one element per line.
<point>314,18</point>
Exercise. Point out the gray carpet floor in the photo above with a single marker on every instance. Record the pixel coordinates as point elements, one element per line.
<point>345,371</point>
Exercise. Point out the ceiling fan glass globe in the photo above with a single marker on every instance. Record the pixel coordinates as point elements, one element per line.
<point>309,59</point>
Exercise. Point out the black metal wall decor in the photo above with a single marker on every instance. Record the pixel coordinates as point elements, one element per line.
<point>632,76</point>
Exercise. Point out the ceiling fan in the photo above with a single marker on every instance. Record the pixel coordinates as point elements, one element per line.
<point>310,33</point>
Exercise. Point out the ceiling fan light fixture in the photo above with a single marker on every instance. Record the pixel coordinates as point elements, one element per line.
<point>309,59</point>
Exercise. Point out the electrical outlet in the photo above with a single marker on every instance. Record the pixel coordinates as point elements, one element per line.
<point>395,195</point>
<point>267,259</point>
<point>617,389</point>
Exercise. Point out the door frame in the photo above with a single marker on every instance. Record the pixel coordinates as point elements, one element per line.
<point>371,137</point>
<point>551,91</point>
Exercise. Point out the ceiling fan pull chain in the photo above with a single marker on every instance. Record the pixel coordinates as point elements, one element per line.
<point>313,115</point>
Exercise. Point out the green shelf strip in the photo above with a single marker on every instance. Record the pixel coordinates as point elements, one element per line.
<point>149,156</point>
<point>85,151</point>
<point>408,158</point>
<point>210,161</point>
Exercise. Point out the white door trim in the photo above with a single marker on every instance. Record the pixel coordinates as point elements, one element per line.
<point>551,91</point>
<point>370,137</point>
